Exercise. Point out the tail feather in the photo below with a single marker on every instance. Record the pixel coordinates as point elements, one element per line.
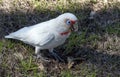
<point>18,34</point>
<point>8,36</point>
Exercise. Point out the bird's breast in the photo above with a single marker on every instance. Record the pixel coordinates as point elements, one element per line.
<point>60,39</point>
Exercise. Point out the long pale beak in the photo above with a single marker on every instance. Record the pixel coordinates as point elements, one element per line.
<point>74,26</point>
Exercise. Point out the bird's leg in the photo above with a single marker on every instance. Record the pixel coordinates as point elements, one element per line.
<point>37,50</point>
<point>58,58</point>
<point>38,54</point>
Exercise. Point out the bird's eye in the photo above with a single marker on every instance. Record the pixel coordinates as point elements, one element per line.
<point>68,22</point>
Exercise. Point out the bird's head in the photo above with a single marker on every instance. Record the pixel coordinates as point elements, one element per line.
<point>69,20</point>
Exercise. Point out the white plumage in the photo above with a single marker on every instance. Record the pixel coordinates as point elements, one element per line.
<point>47,35</point>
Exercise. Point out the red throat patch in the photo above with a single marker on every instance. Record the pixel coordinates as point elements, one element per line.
<point>65,33</point>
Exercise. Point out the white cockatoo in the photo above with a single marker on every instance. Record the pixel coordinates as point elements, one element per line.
<point>47,35</point>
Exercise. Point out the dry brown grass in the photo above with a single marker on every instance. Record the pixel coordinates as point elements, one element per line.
<point>93,52</point>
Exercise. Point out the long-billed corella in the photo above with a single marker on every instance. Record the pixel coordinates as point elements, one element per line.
<point>48,34</point>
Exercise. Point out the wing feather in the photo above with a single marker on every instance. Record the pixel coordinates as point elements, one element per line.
<point>38,34</point>
<point>40,39</point>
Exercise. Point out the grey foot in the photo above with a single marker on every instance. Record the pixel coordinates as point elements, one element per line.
<point>38,56</point>
<point>58,58</point>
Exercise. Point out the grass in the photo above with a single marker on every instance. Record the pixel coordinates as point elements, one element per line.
<point>113,29</point>
<point>94,50</point>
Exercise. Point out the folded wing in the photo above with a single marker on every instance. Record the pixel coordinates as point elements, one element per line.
<point>32,36</point>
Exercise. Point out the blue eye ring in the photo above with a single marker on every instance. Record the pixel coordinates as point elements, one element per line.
<point>68,22</point>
